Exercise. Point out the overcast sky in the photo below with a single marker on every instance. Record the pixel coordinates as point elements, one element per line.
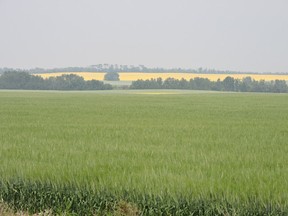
<point>241,35</point>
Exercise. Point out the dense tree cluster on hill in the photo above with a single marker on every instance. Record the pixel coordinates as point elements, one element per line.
<point>112,76</point>
<point>247,84</point>
<point>128,68</point>
<point>24,80</point>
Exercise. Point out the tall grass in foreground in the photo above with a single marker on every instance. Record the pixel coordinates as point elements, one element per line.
<point>207,153</point>
<point>39,196</point>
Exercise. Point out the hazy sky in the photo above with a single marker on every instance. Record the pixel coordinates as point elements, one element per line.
<point>242,35</point>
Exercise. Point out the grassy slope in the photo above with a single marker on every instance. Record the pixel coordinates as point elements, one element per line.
<point>226,144</point>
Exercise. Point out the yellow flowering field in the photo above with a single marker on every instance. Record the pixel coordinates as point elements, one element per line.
<point>132,76</point>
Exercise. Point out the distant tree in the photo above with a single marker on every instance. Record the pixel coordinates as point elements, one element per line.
<point>159,82</point>
<point>237,85</point>
<point>262,86</point>
<point>183,84</point>
<point>171,83</point>
<point>66,82</point>
<point>246,84</point>
<point>97,85</point>
<point>217,86</point>
<point>228,83</point>
<point>20,80</point>
<point>138,84</point>
<point>24,80</point>
<point>111,76</point>
<point>199,83</point>
<point>280,86</point>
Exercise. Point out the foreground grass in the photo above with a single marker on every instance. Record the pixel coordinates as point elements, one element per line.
<point>5,210</point>
<point>173,153</point>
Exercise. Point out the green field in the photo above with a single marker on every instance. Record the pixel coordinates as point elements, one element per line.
<point>177,146</point>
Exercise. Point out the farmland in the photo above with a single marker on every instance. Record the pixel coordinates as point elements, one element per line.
<point>132,76</point>
<point>168,152</point>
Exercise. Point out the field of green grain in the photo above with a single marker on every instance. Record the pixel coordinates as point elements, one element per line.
<point>166,152</point>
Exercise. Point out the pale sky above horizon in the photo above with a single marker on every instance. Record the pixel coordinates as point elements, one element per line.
<point>246,35</point>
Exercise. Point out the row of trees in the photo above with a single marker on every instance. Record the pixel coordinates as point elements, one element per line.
<point>24,80</point>
<point>124,68</point>
<point>247,84</point>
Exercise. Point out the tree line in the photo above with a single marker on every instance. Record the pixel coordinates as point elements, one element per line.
<point>24,80</point>
<point>246,84</point>
<point>129,68</point>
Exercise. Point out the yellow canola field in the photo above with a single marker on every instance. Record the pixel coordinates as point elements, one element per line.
<point>132,76</point>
